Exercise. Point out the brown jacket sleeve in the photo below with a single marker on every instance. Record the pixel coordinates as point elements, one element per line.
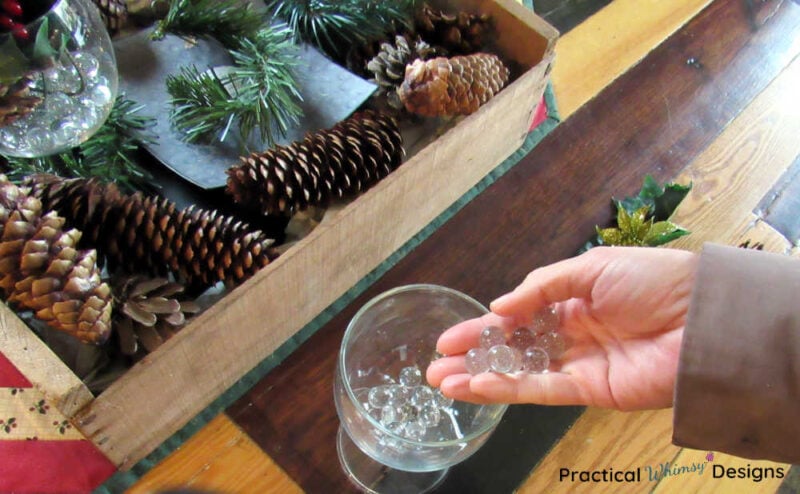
<point>738,384</point>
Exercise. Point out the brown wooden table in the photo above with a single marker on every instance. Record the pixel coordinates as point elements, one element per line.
<point>687,90</point>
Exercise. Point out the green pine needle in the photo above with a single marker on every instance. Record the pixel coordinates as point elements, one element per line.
<point>260,92</point>
<point>110,154</point>
<point>227,21</point>
<point>334,25</point>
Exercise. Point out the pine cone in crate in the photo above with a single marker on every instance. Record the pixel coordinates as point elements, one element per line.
<point>452,86</point>
<point>149,312</point>
<point>460,34</point>
<point>41,268</point>
<point>114,14</point>
<point>330,164</point>
<point>148,235</point>
<point>16,101</point>
<point>388,67</point>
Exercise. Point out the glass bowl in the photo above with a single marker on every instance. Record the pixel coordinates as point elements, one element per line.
<point>393,332</point>
<point>61,79</point>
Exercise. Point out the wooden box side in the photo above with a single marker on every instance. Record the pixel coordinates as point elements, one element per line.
<point>513,24</point>
<point>169,387</point>
<point>37,362</point>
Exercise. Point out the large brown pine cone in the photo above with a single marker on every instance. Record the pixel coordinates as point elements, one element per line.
<point>42,270</point>
<point>452,86</point>
<point>334,163</point>
<point>460,34</point>
<point>149,235</point>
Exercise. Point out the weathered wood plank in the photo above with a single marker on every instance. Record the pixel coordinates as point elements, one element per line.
<point>219,458</point>
<point>655,119</point>
<point>733,174</point>
<point>40,365</point>
<point>607,44</point>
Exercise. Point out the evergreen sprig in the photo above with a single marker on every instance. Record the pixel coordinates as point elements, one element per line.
<point>259,92</point>
<point>334,25</point>
<point>227,21</point>
<point>109,154</point>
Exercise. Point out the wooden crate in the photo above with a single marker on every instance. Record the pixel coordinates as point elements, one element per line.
<point>169,387</point>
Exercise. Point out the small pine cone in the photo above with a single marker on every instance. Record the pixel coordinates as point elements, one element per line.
<point>388,67</point>
<point>452,86</point>
<point>114,14</point>
<point>149,312</point>
<point>334,163</point>
<point>16,101</point>
<point>138,234</point>
<point>459,34</point>
<point>42,270</point>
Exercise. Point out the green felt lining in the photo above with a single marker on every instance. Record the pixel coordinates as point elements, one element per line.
<point>122,480</point>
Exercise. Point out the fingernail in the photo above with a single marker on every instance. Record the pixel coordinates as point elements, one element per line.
<point>500,300</point>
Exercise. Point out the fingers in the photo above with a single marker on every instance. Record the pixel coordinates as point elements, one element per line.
<point>441,368</point>
<point>465,335</point>
<point>552,388</point>
<point>570,278</point>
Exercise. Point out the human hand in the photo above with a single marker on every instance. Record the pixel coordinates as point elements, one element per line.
<point>623,310</point>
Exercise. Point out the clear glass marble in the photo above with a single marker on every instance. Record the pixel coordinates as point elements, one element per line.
<point>553,343</point>
<point>545,320</point>
<point>76,82</point>
<point>535,360</point>
<point>521,338</point>
<point>501,359</point>
<point>477,361</point>
<point>492,336</point>
<point>410,376</point>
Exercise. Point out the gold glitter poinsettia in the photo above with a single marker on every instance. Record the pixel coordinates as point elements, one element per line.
<point>639,228</point>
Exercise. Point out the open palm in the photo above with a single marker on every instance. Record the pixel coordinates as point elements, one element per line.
<point>623,309</point>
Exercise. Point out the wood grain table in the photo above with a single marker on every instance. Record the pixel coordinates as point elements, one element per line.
<point>692,91</point>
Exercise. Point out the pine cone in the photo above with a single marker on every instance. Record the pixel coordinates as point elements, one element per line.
<point>452,86</point>
<point>16,101</point>
<point>114,14</point>
<point>148,235</point>
<point>330,164</point>
<point>459,34</point>
<point>148,312</point>
<point>388,67</point>
<point>42,269</point>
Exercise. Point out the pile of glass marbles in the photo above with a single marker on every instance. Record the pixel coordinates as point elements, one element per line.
<point>528,349</point>
<point>408,408</point>
<point>77,99</point>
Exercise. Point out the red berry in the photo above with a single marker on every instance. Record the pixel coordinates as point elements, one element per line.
<point>6,22</point>
<point>12,8</point>
<point>20,32</point>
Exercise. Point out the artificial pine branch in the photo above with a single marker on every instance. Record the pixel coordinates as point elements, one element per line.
<point>259,93</point>
<point>109,154</point>
<point>333,26</point>
<point>225,20</point>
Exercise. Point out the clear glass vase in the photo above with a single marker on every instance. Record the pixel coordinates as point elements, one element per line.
<point>59,79</point>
